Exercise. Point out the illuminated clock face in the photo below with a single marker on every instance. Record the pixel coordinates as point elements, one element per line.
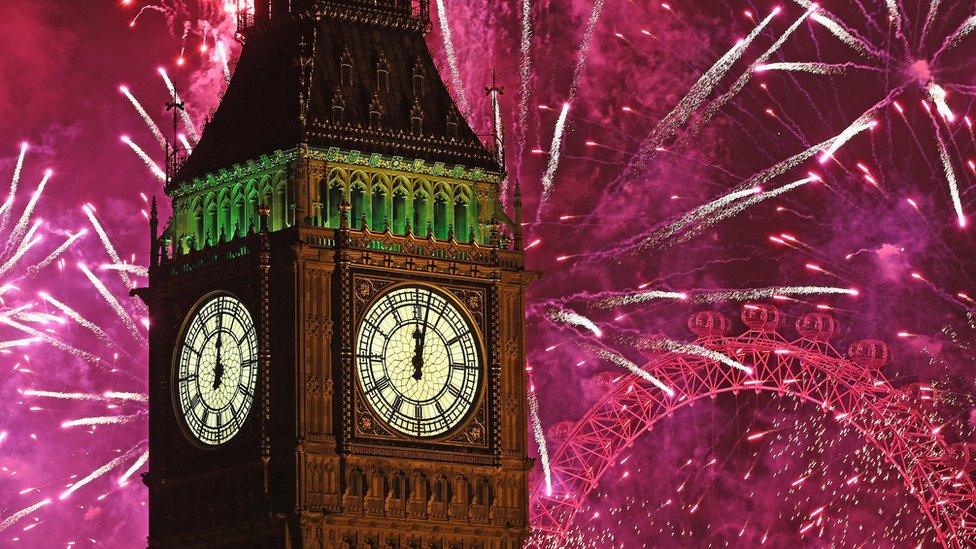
<point>418,361</point>
<point>216,370</point>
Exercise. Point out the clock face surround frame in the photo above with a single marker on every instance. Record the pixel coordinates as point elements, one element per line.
<point>481,381</point>
<point>190,319</point>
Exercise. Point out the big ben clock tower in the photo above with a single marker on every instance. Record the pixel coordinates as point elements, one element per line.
<point>336,350</point>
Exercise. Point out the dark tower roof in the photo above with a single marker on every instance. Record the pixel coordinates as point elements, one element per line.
<point>352,74</point>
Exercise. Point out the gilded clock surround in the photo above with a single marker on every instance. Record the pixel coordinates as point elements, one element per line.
<point>472,431</point>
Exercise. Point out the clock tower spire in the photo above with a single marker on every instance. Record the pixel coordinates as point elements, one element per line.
<point>336,346</point>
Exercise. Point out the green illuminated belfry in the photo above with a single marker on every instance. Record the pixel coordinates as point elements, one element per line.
<point>334,103</point>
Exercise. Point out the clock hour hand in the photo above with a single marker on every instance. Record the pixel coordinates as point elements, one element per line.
<point>219,367</point>
<point>418,354</point>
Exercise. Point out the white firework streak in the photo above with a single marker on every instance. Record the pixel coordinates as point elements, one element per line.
<point>496,114</point>
<point>76,316</point>
<point>742,206</point>
<point>186,143</point>
<point>101,420</point>
<point>18,231</point>
<point>715,106</point>
<point>452,57</point>
<point>127,268</point>
<point>693,100</point>
<point>573,318</point>
<point>112,302</point>
<point>224,61</point>
<point>13,343</point>
<point>692,217</point>
<point>117,395</point>
<point>540,438</point>
<point>865,122</point>
<point>639,297</point>
<point>554,152</point>
<point>696,350</point>
<point>585,49</point>
<point>150,123</point>
<point>754,294</point>
<point>525,75</point>
<point>12,519</point>
<point>619,360</point>
<point>184,115</point>
<point>813,68</point>
<point>830,22</point>
<point>950,172</point>
<point>63,396</point>
<point>930,18</point>
<point>938,95</point>
<point>967,27</point>
<point>136,465</point>
<point>106,242</point>
<point>101,471</point>
<point>54,342</point>
<point>25,246</point>
<point>68,242</point>
<point>895,15</point>
<point>12,194</point>
<point>149,162</point>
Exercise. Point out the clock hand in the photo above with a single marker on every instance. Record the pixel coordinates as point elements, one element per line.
<point>418,354</point>
<point>219,367</point>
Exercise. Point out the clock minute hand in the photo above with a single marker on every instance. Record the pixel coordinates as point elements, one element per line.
<point>219,367</point>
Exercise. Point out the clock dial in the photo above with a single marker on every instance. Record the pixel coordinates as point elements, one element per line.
<point>216,370</point>
<point>418,361</point>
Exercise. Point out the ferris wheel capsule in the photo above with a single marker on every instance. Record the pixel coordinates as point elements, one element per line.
<point>816,326</point>
<point>869,353</point>
<point>760,316</point>
<point>708,324</point>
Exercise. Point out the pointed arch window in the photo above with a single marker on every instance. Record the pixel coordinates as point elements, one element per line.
<point>461,226</point>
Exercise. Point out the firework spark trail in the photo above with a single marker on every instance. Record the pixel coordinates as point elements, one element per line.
<point>224,59</point>
<point>12,193</point>
<point>13,343</point>
<point>188,126</point>
<point>525,80</point>
<point>814,68</point>
<point>865,122</point>
<point>950,172</point>
<point>57,252</point>
<point>692,349</point>
<point>619,360</point>
<point>894,15</point>
<point>186,143</point>
<point>554,152</point>
<point>930,18</point>
<point>452,61</point>
<point>101,471</point>
<point>136,465</point>
<point>565,316</point>
<point>144,9</point>
<point>18,231</point>
<point>150,123</point>
<point>101,420</point>
<point>584,51</point>
<point>127,268</point>
<point>540,437</point>
<point>76,316</point>
<point>63,396</point>
<point>106,243</point>
<point>117,395</point>
<point>718,104</point>
<point>967,27</point>
<point>690,103</point>
<point>26,244</point>
<point>150,163</point>
<point>12,519</point>
<point>499,138</point>
<point>755,294</point>
<point>113,302</point>
<point>54,342</point>
<point>938,95</point>
<point>845,34</point>
<point>642,296</point>
<point>686,220</point>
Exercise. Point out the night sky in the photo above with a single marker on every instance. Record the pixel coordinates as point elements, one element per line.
<point>638,157</point>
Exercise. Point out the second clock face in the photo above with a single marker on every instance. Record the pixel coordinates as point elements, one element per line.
<point>418,361</point>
